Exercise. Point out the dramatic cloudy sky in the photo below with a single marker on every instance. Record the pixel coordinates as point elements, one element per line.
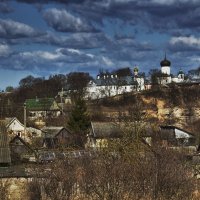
<point>43,37</point>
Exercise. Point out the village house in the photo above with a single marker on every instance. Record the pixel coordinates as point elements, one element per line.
<point>20,150</point>
<point>168,136</point>
<point>54,137</point>
<point>15,127</point>
<point>42,108</point>
<point>101,133</point>
<point>173,136</point>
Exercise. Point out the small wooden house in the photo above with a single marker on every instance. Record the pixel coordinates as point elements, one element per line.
<point>55,137</point>
<point>20,150</point>
<point>13,126</point>
<point>174,136</point>
<point>101,132</point>
<point>42,108</point>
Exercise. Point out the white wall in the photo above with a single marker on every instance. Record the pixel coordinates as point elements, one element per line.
<point>165,70</point>
<point>96,92</point>
<point>181,134</point>
<point>15,126</point>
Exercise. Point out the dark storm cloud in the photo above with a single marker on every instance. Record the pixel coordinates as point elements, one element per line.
<point>131,42</point>
<point>58,61</point>
<point>4,7</point>
<point>79,19</point>
<point>64,21</point>
<point>52,1</point>
<point>10,29</point>
<point>76,40</point>
<point>156,15</point>
<point>161,15</point>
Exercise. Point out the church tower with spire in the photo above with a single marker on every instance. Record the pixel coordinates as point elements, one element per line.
<point>165,66</point>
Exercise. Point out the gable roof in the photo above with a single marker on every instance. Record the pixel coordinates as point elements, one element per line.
<point>53,131</point>
<point>22,141</point>
<point>50,143</point>
<point>170,127</point>
<point>41,104</point>
<point>105,130</point>
<point>9,120</point>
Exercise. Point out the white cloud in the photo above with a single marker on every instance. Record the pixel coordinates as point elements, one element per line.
<point>4,50</point>
<point>195,59</point>
<point>49,56</point>
<point>64,21</point>
<point>13,29</point>
<point>45,55</point>
<point>90,55</point>
<point>74,51</point>
<point>107,61</point>
<point>190,41</point>
<point>170,2</point>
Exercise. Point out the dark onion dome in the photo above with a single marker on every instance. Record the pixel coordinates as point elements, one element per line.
<point>165,62</point>
<point>180,72</point>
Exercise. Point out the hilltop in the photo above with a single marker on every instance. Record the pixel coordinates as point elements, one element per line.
<point>176,105</point>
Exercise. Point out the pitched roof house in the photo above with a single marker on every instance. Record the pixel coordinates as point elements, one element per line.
<point>101,132</point>
<point>42,107</point>
<point>169,136</point>
<point>176,136</point>
<point>20,149</point>
<point>13,125</point>
<point>57,137</point>
<point>41,104</point>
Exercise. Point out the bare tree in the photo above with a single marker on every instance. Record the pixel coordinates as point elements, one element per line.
<point>4,189</point>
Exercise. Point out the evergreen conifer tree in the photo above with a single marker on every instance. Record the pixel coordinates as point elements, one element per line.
<point>79,122</point>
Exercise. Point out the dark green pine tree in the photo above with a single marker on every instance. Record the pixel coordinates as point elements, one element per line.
<point>79,122</point>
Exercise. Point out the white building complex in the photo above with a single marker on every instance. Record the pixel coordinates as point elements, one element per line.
<point>111,84</point>
<point>166,77</point>
<point>124,80</point>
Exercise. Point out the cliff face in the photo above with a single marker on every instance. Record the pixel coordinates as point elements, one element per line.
<point>173,105</point>
<point>161,110</point>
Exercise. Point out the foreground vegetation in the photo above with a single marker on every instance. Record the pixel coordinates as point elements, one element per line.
<point>113,175</point>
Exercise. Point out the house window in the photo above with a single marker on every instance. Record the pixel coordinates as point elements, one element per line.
<point>34,134</point>
<point>17,142</point>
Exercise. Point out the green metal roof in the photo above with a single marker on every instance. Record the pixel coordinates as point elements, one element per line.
<point>41,104</point>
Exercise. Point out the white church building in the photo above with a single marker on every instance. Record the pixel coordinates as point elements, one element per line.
<point>166,77</point>
<point>124,80</point>
<point>111,84</point>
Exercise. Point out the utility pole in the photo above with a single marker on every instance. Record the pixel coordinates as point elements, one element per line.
<point>61,98</point>
<point>24,121</point>
<point>1,102</point>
